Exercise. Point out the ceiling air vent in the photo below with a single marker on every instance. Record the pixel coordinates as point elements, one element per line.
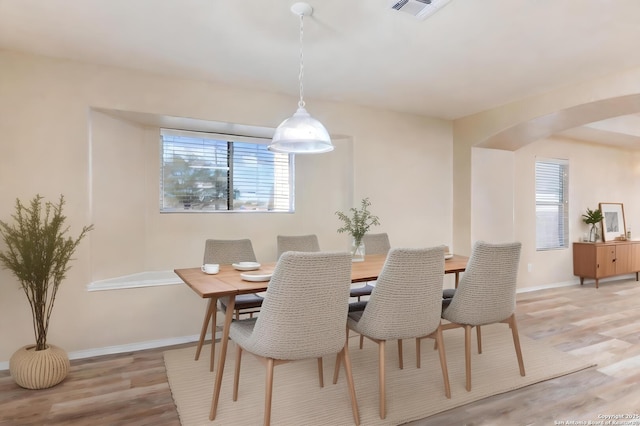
<point>421,9</point>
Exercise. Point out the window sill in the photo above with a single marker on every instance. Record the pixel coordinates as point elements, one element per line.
<point>142,279</point>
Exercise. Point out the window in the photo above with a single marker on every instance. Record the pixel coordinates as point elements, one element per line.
<point>552,204</point>
<point>207,172</point>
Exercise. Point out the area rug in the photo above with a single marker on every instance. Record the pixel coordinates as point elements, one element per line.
<point>412,393</point>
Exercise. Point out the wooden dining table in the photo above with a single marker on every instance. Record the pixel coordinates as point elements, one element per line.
<point>229,283</point>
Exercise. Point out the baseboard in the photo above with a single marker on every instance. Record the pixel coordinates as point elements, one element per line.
<point>130,347</point>
<point>576,282</point>
<point>548,286</point>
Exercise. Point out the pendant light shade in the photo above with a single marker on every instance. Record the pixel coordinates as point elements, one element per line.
<point>301,133</point>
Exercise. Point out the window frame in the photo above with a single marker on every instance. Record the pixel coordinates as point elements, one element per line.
<point>559,239</point>
<point>233,153</point>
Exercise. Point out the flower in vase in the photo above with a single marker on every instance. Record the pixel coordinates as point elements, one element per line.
<point>359,221</point>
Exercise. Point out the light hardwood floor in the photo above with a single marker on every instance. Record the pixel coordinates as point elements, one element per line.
<point>603,324</point>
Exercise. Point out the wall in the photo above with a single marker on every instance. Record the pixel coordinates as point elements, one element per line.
<point>55,142</point>
<point>514,125</point>
<point>596,174</point>
<point>492,191</point>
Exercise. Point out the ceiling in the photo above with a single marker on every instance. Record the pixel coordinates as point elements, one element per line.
<point>468,57</point>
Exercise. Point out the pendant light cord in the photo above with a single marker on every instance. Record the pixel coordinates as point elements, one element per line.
<point>301,74</point>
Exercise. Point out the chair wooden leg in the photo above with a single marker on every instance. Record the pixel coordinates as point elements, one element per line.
<point>268,393</point>
<point>516,342</point>
<point>467,354</point>
<point>361,341</point>
<point>381,380</point>
<point>443,362</point>
<point>418,344</point>
<point>479,336</point>
<point>205,327</point>
<point>320,372</point>
<point>400,357</point>
<point>352,388</point>
<point>336,370</point>
<point>236,376</point>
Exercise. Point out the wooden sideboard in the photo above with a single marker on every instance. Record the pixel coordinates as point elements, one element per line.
<point>600,260</point>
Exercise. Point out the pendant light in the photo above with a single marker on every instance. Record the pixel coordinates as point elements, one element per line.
<point>301,133</point>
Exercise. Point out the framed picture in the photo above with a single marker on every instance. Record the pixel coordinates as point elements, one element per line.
<point>613,224</point>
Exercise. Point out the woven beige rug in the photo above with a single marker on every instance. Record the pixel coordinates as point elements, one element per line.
<point>411,393</point>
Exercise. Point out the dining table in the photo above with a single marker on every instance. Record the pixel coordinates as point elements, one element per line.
<point>229,283</point>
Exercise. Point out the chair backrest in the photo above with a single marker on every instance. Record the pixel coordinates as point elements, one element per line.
<point>376,243</point>
<point>307,243</point>
<point>304,312</point>
<point>487,290</point>
<point>407,299</point>
<point>226,252</point>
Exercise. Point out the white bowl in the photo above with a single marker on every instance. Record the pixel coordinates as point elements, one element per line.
<point>256,277</point>
<point>246,266</point>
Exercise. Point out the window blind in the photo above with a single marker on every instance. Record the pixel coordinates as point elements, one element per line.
<point>552,204</point>
<point>214,172</point>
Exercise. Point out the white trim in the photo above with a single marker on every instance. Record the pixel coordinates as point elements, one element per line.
<point>548,286</point>
<point>130,347</point>
<point>576,282</point>
<point>141,279</point>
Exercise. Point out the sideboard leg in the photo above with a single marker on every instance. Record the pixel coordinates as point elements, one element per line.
<point>636,276</point>
<point>581,280</point>
<point>596,283</point>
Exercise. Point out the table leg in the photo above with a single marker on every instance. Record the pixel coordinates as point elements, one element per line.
<point>205,326</point>
<point>223,355</point>
<point>214,317</point>
<point>457,278</point>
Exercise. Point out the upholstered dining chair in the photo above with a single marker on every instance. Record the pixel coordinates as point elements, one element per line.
<point>303,316</point>
<point>373,244</point>
<point>226,252</point>
<point>308,243</point>
<point>486,295</point>
<point>405,304</point>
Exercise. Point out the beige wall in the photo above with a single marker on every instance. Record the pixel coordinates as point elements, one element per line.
<point>596,174</point>
<point>519,123</point>
<point>55,142</point>
<point>492,191</point>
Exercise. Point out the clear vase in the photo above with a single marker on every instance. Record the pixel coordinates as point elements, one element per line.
<point>593,233</point>
<point>357,250</point>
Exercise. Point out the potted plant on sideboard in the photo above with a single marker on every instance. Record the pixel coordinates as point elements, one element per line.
<point>37,251</point>
<point>592,217</point>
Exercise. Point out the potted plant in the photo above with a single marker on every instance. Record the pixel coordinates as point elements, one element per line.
<point>592,217</point>
<point>357,225</point>
<point>37,251</point>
